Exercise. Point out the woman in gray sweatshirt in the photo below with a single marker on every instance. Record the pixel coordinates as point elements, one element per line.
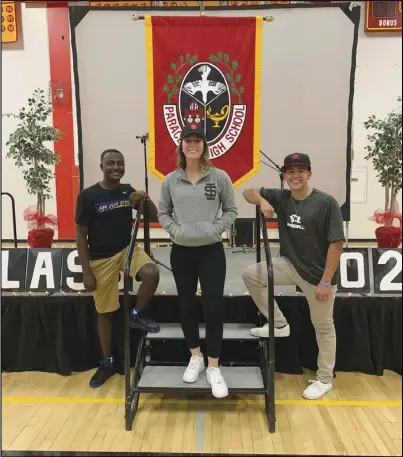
<point>197,205</point>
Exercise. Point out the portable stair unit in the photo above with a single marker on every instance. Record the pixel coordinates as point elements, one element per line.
<point>168,379</point>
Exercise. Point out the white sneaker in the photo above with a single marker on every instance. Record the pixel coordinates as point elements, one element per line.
<point>263,332</point>
<point>218,385</point>
<point>316,390</point>
<point>195,367</point>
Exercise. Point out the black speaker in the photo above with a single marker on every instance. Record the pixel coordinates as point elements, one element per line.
<point>244,233</point>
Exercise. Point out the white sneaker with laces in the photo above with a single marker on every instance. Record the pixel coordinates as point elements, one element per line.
<point>219,387</point>
<point>317,389</point>
<point>195,367</point>
<point>263,332</point>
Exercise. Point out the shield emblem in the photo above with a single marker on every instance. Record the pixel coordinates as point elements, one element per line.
<point>204,100</point>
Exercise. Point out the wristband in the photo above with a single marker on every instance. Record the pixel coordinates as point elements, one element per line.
<point>326,284</point>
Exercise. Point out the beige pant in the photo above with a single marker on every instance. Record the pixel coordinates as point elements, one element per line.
<point>255,278</point>
<point>106,272</point>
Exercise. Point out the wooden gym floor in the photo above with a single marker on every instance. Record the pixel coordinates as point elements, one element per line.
<point>48,412</point>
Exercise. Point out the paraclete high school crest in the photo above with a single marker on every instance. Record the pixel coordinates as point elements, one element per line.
<point>205,72</point>
<point>208,95</point>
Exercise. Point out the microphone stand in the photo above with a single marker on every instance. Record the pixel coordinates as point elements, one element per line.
<point>146,219</point>
<point>276,168</point>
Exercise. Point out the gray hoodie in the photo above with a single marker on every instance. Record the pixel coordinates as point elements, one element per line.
<point>197,214</point>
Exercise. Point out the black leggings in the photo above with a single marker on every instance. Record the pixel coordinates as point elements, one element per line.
<point>208,264</point>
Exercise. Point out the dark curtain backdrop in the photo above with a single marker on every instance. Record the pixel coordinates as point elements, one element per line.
<point>58,334</point>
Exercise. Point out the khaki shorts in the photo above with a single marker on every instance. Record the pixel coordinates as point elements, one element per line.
<point>106,272</point>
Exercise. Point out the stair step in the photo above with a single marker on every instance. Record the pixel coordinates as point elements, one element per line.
<point>169,379</point>
<point>231,332</point>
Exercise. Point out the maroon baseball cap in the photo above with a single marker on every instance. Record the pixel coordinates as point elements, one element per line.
<point>297,159</point>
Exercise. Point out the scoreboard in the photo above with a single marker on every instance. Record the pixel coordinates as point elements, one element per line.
<point>383,16</point>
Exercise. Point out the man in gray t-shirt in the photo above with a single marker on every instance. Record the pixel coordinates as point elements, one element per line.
<point>311,243</point>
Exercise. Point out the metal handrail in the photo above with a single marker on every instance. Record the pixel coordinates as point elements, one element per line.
<point>126,307</point>
<point>132,244</point>
<point>257,234</point>
<point>14,218</point>
<point>270,357</point>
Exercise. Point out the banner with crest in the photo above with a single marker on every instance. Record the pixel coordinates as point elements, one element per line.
<point>205,71</point>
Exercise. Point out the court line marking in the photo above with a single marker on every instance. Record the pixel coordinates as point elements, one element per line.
<point>28,400</point>
<point>199,429</point>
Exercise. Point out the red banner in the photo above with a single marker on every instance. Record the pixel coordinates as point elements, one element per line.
<point>205,71</point>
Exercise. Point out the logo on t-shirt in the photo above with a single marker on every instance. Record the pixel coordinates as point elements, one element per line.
<point>113,205</point>
<point>295,222</point>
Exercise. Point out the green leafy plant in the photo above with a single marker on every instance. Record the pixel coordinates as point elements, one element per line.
<point>232,76</point>
<point>174,79</point>
<point>29,148</point>
<point>385,152</point>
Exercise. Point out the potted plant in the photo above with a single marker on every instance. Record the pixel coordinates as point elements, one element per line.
<point>28,146</point>
<point>385,152</point>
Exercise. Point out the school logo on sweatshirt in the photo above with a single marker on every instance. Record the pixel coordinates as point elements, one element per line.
<point>210,191</point>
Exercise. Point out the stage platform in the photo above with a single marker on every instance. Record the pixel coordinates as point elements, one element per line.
<point>49,325</point>
<point>237,260</point>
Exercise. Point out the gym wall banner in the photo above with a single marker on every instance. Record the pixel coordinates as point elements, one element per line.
<point>9,32</point>
<point>363,271</point>
<point>210,80</point>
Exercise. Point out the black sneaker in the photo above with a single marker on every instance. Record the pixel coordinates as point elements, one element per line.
<point>144,323</point>
<point>105,371</point>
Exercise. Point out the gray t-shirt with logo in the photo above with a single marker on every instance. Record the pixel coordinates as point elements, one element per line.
<point>306,228</point>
